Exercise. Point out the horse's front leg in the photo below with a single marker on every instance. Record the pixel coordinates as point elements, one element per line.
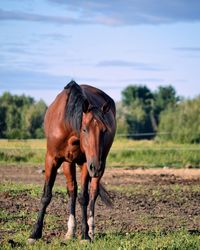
<point>69,170</point>
<point>84,200</point>
<point>51,166</point>
<point>94,191</point>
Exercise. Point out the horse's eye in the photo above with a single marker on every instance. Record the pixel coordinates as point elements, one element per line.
<point>84,130</point>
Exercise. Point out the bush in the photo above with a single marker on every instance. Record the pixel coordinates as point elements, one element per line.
<point>182,124</point>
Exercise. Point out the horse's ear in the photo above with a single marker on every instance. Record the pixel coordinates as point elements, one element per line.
<point>106,107</point>
<point>85,106</point>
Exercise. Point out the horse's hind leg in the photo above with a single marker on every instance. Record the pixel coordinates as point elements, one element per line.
<point>51,166</point>
<point>69,170</point>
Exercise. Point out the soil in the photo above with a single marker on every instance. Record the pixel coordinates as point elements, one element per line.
<point>165,199</point>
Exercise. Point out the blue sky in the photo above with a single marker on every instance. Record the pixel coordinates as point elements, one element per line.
<point>108,44</point>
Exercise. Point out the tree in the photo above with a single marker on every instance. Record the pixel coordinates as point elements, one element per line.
<point>35,118</point>
<point>138,101</point>
<point>145,107</point>
<point>121,118</point>
<point>3,126</point>
<point>21,117</point>
<point>163,98</point>
<point>137,93</point>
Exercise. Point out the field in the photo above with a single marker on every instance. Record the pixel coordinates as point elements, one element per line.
<point>124,153</point>
<point>153,208</point>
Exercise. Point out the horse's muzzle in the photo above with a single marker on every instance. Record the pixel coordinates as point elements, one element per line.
<point>94,170</point>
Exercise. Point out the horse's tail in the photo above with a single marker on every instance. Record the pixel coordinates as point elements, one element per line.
<point>104,195</point>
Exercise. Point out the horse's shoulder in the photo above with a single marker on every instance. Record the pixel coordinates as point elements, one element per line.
<point>54,117</point>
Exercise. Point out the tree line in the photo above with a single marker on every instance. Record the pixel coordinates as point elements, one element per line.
<point>142,114</point>
<point>21,117</point>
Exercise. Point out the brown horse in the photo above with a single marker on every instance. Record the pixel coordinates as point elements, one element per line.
<point>80,127</point>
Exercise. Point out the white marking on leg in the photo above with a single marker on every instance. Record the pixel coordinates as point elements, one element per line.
<point>91,227</point>
<point>31,241</point>
<point>71,227</point>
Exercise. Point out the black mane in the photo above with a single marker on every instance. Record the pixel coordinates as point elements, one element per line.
<point>74,105</point>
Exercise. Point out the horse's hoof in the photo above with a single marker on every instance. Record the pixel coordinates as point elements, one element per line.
<point>69,237</point>
<point>85,241</point>
<point>31,241</point>
<point>91,237</point>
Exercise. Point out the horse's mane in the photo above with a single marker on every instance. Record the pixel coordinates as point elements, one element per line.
<point>74,105</point>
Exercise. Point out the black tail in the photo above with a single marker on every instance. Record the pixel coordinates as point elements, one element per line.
<point>104,195</point>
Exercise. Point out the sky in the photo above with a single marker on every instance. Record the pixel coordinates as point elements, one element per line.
<point>108,44</point>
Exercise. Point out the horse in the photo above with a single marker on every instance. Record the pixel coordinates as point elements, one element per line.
<point>79,127</point>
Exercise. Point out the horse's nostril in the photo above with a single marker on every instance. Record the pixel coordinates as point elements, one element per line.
<point>92,167</point>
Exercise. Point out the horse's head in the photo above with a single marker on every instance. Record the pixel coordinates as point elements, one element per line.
<point>92,135</point>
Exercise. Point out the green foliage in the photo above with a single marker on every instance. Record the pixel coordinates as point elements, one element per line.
<point>143,109</point>
<point>136,93</point>
<point>182,123</point>
<point>164,98</point>
<point>121,121</point>
<point>138,101</point>
<point>21,117</point>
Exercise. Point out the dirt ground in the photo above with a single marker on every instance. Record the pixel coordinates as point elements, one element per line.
<point>112,176</point>
<point>143,200</point>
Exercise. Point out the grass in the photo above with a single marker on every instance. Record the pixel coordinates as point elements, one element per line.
<point>176,190</point>
<point>124,153</point>
<point>29,189</point>
<point>141,241</point>
<point>22,151</point>
<point>147,154</point>
<point>18,225</point>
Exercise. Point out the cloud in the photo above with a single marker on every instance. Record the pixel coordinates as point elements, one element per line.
<point>55,36</point>
<point>136,11</point>
<point>188,49</point>
<point>25,16</point>
<point>16,79</point>
<point>128,64</point>
<point>115,13</point>
<point>145,80</point>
